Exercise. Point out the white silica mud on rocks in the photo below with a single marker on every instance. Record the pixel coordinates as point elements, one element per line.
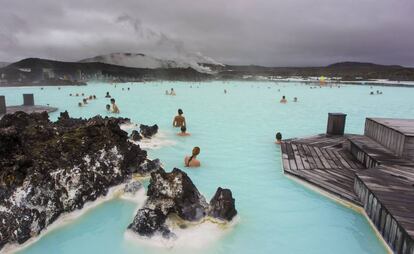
<point>54,168</point>
<point>175,209</point>
<point>188,236</point>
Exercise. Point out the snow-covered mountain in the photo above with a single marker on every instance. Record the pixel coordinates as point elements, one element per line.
<point>138,60</point>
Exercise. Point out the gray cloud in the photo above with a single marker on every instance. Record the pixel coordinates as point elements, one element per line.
<point>266,32</point>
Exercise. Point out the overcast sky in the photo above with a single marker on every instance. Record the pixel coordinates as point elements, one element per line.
<point>264,32</point>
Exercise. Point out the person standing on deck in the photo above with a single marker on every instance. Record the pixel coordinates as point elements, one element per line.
<point>179,120</point>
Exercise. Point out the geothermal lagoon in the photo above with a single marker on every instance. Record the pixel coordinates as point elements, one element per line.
<point>235,132</point>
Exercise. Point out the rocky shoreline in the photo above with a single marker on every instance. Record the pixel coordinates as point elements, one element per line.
<point>51,168</point>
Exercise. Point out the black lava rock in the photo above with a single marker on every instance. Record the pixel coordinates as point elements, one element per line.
<point>49,168</point>
<point>135,136</point>
<point>222,205</point>
<point>148,131</point>
<point>175,193</point>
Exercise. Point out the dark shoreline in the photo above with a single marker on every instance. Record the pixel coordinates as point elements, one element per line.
<point>306,82</point>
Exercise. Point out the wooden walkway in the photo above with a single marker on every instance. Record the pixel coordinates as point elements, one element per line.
<point>323,161</point>
<point>387,193</point>
<point>29,109</point>
<point>359,169</point>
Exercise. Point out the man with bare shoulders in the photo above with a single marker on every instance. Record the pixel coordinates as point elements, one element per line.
<point>179,120</point>
<point>115,108</point>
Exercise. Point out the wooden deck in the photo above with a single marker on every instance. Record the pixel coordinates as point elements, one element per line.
<point>395,134</point>
<point>387,193</point>
<point>323,161</point>
<point>29,109</point>
<point>361,170</point>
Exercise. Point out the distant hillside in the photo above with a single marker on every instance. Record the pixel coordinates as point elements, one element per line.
<point>138,60</point>
<point>35,70</point>
<point>361,65</point>
<point>345,70</point>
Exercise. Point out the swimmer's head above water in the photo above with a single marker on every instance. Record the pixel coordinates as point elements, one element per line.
<point>192,161</point>
<point>278,138</point>
<point>180,111</point>
<point>183,132</point>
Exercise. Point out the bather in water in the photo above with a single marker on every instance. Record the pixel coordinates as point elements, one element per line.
<point>115,108</point>
<point>191,161</point>
<point>278,138</point>
<point>179,120</point>
<point>183,132</point>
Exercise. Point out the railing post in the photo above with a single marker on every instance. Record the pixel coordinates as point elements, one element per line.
<point>28,99</point>
<point>336,124</point>
<point>3,109</point>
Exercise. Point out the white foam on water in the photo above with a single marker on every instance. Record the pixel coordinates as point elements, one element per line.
<point>194,236</point>
<point>128,126</point>
<point>65,219</point>
<point>157,141</point>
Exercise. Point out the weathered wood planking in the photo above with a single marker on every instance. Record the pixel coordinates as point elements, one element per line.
<point>375,170</point>
<point>387,193</point>
<point>323,161</point>
<point>395,134</point>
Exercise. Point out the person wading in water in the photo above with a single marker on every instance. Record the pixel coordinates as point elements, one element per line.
<point>179,120</point>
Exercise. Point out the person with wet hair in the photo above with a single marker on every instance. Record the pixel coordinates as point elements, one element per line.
<point>183,132</point>
<point>191,161</point>
<point>107,95</point>
<point>85,101</point>
<point>179,120</point>
<point>108,107</point>
<point>283,100</point>
<point>80,104</point>
<point>278,138</point>
<point>115,108</point>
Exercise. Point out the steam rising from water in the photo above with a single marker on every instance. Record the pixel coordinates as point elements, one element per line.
<point>172,48</point>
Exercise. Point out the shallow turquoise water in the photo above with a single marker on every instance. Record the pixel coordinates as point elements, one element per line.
<point>235,132</point>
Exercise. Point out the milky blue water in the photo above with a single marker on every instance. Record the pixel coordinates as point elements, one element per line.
<point>235,132</point>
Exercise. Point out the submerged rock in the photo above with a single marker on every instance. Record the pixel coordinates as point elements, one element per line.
<point>49,168</point>
<point>148,131</point>
<point>175,193</point>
